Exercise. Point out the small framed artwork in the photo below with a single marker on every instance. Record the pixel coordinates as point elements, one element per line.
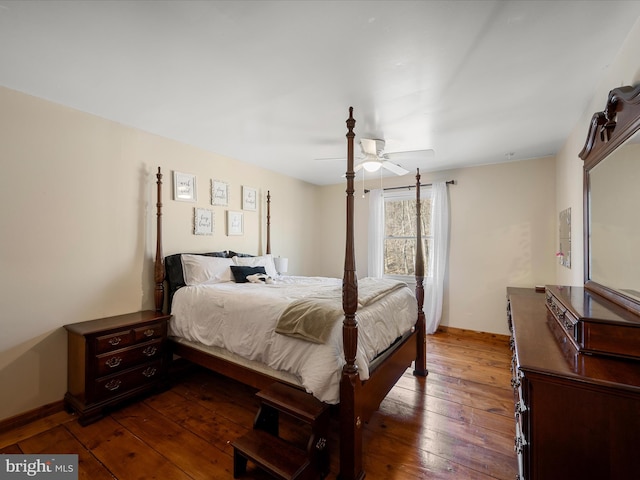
<point>235,223</point>
<point>219,193</point>
<point>249,198</point>
<point>203,221</point>
<point>184,187</point>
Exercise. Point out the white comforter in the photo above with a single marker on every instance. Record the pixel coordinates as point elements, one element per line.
<point>242,317</point>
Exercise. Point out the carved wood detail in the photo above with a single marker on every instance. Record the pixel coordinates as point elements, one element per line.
<point>350,280</point>
<point>159,261</point>
<point>420,366</point>
<point>610,128</point>
<point>268,222</point>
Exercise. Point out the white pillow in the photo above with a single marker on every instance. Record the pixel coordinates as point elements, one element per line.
<point>199,269</point>
<point>265,261</point>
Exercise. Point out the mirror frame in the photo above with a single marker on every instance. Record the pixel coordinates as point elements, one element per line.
<point>608,130</point>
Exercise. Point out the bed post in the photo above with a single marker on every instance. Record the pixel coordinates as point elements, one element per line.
<point>350,417</point>
<point>159,262</point>
<point>268,222</point>
<point>421,337</point>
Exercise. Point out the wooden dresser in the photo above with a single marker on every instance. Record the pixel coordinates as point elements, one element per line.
<point>113,359</point>
<point>577,414</point>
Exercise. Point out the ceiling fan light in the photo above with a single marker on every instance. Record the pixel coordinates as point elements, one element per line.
<point>372,165</point>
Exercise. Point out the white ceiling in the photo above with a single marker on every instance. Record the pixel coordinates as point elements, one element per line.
<point>270,82</point>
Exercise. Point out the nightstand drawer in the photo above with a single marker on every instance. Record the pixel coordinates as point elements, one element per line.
<point>119,360</point>
<point>113,341</point>
<point>114,385</point>
<point>154,330</point>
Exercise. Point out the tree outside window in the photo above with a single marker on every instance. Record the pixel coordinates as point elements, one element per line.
<point>400,235</point>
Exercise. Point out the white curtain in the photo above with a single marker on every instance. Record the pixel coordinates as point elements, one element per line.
<point>434,286</point>
<point>376,234</point>
<point>437,261</point>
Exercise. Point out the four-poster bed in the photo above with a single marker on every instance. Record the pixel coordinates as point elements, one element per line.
<point>358,398</point>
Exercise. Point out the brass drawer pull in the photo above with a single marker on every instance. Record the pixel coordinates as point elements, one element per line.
<point>115,341</point>
<point>150,351</point>
<point>149,332</point>
<point>149,372</point>
<point>113,384</point>
<point>113,362</point>
<point>519,445</point>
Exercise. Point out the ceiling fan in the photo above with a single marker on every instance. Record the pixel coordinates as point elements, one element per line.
<point>374,157</point>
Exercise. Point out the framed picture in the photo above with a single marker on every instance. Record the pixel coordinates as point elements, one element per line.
<point>184,187</point>
<point>203,221</point>
<point>219,193</point>
<point>235,223</point>
<point>249,198</point>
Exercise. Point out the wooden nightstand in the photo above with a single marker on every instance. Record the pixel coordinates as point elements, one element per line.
<point>113,359</point>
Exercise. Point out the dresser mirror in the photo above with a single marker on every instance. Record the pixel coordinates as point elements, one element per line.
<point>612,200</point>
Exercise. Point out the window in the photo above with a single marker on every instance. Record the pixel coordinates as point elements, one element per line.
<point>392,232</point>
<point>399,241</point>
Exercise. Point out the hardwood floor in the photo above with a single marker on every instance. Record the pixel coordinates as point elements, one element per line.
<point>457,423</point>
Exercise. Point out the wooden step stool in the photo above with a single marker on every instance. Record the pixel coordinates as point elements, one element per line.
<point>264,447</point>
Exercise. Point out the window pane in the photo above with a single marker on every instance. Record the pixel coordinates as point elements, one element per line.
<point>400,235</point>
<point>400,218</point>
<point>400,253</point>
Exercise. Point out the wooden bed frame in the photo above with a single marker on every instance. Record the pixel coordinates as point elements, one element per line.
<point>358,399</point>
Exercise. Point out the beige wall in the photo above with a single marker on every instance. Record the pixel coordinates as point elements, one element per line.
<point>78,230</point>
<point>502,233</point>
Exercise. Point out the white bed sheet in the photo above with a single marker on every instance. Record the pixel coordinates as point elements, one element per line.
<point>242,318</point>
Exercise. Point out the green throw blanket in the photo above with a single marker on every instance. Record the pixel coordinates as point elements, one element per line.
<point>313,318</point>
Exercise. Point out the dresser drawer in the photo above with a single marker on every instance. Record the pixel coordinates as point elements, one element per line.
<point>119,360</point>
<point>118,384</point>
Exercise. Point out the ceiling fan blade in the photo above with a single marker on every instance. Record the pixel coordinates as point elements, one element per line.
<point>392,167</point>
<point>369,146</point>
<point>334,159</point>
<point>412,155</point>
<point>357,167</point>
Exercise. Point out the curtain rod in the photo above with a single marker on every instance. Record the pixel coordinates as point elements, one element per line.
<point>448,182</point>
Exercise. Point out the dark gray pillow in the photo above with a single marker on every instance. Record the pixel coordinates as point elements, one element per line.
<point>240,273</point>
<point>231,254</point>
